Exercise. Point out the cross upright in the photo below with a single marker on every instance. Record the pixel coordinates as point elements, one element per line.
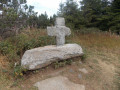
<point>59,31</point>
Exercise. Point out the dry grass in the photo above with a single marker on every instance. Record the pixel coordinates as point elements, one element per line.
<point>3,62</point>
<point>102,63</point>
<point>34,33</point>
<point>103,56</point>
<point>99,40</point>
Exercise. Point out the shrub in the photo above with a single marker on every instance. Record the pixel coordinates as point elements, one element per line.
<point>14,47</point>
<point>45,40</point>
<point>59,64</point>
<point>13,57</point>
<point>29,44</point>
<point>6,47</point>
<point>18,71</point>
<point>83,57</point>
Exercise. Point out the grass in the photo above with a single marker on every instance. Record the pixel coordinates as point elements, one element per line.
<point>102,60</point>
<point>102,50</point>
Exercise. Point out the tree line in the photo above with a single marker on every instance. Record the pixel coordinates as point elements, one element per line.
<point>16,15</point>
<point>103,14</point>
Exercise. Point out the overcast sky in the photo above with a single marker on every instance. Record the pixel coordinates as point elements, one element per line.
<point>50,6</point>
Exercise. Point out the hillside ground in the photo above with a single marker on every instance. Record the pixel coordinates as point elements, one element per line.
<point>101,60</point>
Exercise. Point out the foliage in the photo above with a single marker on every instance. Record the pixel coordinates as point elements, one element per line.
<point>15,15</point>
<point>72,14</point>
<point>14,47</point>
<point>43,21</point>
<point>59,64</point>
<point>83,57</point>
<point>18,71</point>
<point>115,16</point>
<point>101,14</point>
<point>6,47</point>
<point>45,40</point>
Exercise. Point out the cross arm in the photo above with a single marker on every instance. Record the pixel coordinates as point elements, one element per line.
<point>66,30</point>
<point>51,31</point>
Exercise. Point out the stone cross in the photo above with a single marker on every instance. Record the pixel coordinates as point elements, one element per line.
<point>59,30</point>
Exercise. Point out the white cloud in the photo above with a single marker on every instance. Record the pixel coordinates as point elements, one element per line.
<point>50,6</point>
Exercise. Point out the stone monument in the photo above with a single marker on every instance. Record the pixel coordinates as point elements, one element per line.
<point>59,30</point>
<point>40,57</point>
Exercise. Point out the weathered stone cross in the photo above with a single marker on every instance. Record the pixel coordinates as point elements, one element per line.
<point>59,30</point>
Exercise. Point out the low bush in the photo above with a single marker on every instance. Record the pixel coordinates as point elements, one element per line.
<point>18,71</point>
<point>14,47</point>
<point>45,40</point>
<point>6,47</point>
<point>59,64</point>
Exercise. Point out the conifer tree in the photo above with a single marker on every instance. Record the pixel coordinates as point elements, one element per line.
<point>115,16</point>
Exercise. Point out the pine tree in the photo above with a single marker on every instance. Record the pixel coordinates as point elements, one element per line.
<point>104,17</point>
<point>60,10</point>
<point>71,12</point>
<point>115,16</point>
<point>91,10</point>
<point>15,14</point>
<point>43,20</point>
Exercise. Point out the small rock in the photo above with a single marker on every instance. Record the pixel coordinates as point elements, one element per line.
<point>80,76</point>
<point>83,70</point>
<point>71,71</point>
<point>80,62</point>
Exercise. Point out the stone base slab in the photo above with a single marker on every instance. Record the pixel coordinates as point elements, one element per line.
<point>58,83</point>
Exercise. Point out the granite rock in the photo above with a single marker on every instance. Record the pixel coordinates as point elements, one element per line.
<point>43,56</point>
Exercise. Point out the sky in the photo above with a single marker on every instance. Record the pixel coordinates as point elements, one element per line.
<point>49,6</point>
